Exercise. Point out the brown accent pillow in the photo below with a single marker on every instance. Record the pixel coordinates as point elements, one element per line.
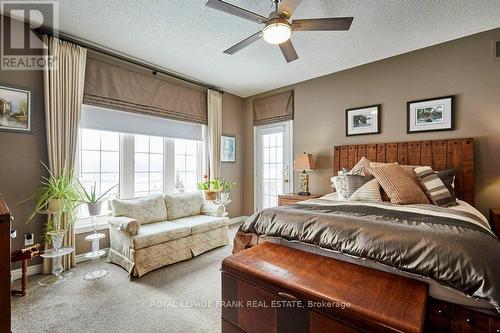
<point>398,184</point>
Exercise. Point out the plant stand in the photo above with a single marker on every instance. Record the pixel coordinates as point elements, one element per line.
<point>94,256</point>
<point>57,268</point>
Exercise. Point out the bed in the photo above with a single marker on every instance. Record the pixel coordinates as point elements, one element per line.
<point>453,249</point>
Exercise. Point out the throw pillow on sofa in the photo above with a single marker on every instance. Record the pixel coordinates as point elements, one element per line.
<point>183,205</point>
<point>145,209</point>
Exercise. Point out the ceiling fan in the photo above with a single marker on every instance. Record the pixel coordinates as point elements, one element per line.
<point>277,27</point>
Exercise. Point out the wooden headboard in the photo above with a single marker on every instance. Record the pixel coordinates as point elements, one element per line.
<point>440,154</point>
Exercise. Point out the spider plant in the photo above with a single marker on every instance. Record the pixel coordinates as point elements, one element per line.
<point>59,195</point>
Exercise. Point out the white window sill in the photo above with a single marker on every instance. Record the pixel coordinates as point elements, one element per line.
<point>84,224</point>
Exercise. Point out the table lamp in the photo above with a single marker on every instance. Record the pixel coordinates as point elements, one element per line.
<point>304,162</point>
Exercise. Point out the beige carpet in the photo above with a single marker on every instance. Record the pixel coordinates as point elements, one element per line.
<point>117,304</point>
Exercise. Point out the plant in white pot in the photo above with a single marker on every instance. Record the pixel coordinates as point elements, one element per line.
<point>92,200</point>
<point>57,197</point>
<point>225,189</point>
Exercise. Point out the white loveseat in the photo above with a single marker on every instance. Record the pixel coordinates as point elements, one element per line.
<point>152,232</point>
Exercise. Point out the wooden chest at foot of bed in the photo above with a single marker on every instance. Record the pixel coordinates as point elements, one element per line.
<point>272,288</point>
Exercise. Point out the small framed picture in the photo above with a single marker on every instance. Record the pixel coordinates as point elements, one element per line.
<point>16,114</point>
<point>228,148</point>
<point>363,120</point>
<point>429,115</point>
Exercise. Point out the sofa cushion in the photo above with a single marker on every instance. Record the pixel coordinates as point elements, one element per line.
<point>158,233</point>
<point>183,205</point>
<point>201,223</point>
<point>145,210</point>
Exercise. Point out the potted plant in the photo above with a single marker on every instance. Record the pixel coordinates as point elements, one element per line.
<point>225,189</point>
<point>210,188</point>
<point>91,199</point>
<point>57,197</point>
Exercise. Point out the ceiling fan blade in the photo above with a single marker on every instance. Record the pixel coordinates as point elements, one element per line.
<point>235,10</point>
<point>322,24</point>
<point>288,7</point>
<point>244,43</point>
<point>288,51</point>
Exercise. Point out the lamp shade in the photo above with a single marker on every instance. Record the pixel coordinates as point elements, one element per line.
<point>303,162</point>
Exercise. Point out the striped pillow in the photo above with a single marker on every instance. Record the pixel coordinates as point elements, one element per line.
<point>370,191</point>
<point>434,187</point>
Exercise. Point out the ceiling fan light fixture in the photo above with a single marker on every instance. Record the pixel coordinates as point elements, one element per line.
<point>277,31</point>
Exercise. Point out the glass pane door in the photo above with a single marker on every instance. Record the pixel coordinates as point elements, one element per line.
<point>273,152</point>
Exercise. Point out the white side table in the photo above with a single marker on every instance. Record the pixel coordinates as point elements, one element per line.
<point>57,268</point>
<point>95,255</point>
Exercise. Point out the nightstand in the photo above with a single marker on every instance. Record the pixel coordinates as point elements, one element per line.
<point>495,220</point>
<point>291,198</point>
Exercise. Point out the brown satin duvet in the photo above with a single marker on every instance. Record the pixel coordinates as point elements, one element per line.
<point>454,248</point>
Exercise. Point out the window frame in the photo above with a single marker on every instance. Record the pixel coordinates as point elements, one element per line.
<point>126,171</point>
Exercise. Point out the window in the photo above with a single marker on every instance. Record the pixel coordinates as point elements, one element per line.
<point>99,160</point>
<point>148,165</point>
<point>186,165</point>
<point>142,165</point>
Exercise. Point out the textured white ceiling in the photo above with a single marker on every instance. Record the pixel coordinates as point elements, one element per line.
<point>186,37</point>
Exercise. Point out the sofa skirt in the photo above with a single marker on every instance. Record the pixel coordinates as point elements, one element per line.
<point>141,261</point>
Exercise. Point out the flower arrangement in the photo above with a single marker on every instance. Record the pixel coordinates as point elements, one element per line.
<point>210,188</point>
<point>209,185</point>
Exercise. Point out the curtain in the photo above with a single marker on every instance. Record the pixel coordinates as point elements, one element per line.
<point>273,109</point>
<point>118,88</point>
<point>214,99</point>
<point>63,91</point>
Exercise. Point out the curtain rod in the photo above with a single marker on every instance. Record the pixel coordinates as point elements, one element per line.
<point>124,57</point>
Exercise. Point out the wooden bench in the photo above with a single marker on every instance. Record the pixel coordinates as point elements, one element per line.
<point>272,288</point>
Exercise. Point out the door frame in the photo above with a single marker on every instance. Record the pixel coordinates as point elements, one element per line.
<point>288,125</point>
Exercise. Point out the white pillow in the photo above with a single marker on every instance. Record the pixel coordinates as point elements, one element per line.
<point>145,209</point>
<point>183,205</point>
<point>337,185</point>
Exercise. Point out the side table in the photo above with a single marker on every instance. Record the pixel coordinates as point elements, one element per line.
<point>94,255</point>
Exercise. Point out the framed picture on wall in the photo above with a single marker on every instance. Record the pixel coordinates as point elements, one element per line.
<point>429,115</point>
<point>228,148</point>
<point>16,109</point>
<point>363,120</point>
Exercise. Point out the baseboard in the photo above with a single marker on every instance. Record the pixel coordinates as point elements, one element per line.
<point>236,220</point>
<point>81,257</point>
<point>16,274</point>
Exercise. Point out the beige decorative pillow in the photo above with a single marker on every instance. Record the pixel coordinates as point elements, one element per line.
<point>399,186</point>
<point>183,205</point>
<point>145,210</point>
<point>361,167</point>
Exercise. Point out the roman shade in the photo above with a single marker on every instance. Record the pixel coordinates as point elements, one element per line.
<point>94,117</point>
<point>114,87</point>
<point>273,109</point>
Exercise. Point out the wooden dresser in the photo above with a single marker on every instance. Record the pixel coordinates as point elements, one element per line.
<point>291,198</point>
<point>272,288</point>
<point>4,267</point>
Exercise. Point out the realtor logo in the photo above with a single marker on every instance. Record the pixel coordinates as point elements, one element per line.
<point>21,47</point>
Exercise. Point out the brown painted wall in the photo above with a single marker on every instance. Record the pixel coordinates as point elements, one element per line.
<point>233,123</point>
<point>21,154</point>
<point>463,67</point>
